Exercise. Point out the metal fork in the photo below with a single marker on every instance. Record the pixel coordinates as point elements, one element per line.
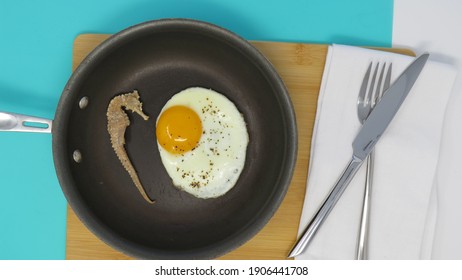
<point>370,94</point>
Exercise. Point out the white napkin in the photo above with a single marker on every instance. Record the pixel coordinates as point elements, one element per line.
<point>406,158</point>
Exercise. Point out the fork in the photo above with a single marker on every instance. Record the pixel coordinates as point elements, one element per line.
<point>370,94</point>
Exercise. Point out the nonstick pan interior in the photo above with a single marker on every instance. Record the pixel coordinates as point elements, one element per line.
<point>159,59</point>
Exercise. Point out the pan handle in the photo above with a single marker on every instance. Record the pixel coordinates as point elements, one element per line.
<point>23,123</point>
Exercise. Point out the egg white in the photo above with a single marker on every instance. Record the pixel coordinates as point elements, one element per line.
<point>212,168</point>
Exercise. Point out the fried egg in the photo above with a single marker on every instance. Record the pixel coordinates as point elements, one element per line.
<point>202,140</point>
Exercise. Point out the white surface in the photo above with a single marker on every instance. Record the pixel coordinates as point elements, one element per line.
<point>434,26</point>
<point>406,159</point>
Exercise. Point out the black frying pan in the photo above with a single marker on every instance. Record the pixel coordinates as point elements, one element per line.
<point>159,59</point>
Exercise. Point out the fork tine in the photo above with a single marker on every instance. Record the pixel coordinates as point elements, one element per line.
<point>386,83</point>
<point>372,87</point>
<point>387,78</point>
<point>379,90</point>
<point>363,89</point>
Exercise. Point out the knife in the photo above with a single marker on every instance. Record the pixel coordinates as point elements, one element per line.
<point>365,140</point>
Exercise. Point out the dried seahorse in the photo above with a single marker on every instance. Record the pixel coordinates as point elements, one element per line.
<point>117,123</point>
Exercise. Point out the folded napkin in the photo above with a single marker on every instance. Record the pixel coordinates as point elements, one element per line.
<point>406,159</point>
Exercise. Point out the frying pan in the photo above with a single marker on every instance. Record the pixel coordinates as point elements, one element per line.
<point>161,58</point>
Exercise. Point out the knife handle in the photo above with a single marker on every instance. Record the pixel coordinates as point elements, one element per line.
<point>327,206</point>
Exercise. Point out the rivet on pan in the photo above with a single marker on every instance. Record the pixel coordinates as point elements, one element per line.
<point>77,156</point>
<point>83,103</point>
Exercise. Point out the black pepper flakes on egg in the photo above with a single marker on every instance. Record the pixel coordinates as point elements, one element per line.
<point>195,184</point>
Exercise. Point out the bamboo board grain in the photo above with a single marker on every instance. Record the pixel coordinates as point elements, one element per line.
<point>300,66</point>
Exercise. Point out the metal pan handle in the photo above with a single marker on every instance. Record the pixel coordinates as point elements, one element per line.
<point>23,123</point>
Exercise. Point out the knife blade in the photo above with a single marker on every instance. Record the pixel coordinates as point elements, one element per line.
<point>364,142</point>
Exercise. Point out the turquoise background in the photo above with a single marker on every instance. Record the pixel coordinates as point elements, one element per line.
<point>35,62</point>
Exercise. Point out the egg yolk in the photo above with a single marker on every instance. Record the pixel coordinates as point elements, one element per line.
<point>179,129</point>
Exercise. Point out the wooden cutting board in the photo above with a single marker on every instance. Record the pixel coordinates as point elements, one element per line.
<point>301,67</point>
